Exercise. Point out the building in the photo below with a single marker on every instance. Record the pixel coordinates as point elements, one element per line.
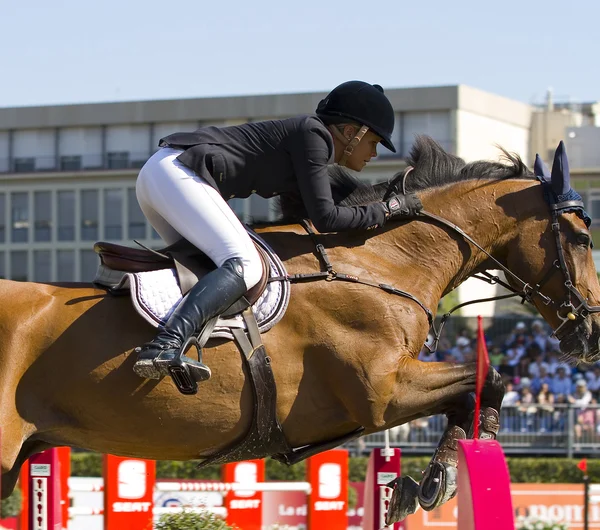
<point>68,171</point>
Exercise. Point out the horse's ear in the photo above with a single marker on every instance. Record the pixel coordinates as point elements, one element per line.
<point>540,169</point>
<point>561,179</point>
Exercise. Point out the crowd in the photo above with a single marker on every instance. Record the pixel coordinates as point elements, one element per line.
<point>537,381</point>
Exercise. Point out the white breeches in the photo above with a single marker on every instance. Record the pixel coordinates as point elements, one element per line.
<point>179,203</point>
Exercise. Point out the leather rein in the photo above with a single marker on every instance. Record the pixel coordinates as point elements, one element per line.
<point>566,310</point>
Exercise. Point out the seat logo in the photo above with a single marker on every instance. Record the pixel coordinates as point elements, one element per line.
<point>330,481</point>
<point>132,479</point>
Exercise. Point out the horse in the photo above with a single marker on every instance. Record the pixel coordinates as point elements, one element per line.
<point>344,356</point>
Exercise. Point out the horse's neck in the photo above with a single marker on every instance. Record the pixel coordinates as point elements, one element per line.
<point>433,259</point>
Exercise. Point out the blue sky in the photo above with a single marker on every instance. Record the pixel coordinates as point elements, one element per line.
<point>68,51</point>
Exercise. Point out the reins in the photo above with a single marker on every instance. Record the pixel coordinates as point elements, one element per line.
<point>525,291</point>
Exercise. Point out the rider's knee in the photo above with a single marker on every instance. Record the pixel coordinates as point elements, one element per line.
<point>248,267</point>
<point>253,270</point>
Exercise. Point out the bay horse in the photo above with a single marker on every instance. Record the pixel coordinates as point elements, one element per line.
<point>344,356</point>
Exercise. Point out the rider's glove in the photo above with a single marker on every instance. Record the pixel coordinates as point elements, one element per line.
<point>402,206</point>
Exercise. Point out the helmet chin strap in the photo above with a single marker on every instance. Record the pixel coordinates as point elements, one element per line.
<point>350,144</point>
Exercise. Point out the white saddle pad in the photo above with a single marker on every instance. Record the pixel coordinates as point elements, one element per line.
<point>155,294</point>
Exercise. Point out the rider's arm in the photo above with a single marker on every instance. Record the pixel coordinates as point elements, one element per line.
<point>311,153</point>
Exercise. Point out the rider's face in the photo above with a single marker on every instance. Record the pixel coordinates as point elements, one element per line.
<point>363,152</point>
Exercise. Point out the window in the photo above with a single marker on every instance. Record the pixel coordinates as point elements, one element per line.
<point>42,213</point>
<point>89,265</point>
<point>89,215</point>
<point>65,265</point>
<point>70,163</point>
<point>24,164</point>
<point>42,266</point>
<point>137,222</point>
<point>20,217</point>
<point>434,124</point>
<point>117,160</point>
<point>2,218</point>
<point>18,265</point>
<point>2,268</point>
<point>113,215</point>
<point>66,215</point>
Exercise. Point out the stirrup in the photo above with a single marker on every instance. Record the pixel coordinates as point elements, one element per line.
<point>185,372</point>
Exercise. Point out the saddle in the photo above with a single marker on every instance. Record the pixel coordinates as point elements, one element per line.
<point>190,263</point>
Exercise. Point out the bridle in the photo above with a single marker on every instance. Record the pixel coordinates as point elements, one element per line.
<point>566,310</point>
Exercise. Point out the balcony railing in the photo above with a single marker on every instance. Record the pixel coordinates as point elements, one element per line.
<point>90,162</point>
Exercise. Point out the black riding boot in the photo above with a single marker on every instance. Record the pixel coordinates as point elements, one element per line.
<point>210,297</point>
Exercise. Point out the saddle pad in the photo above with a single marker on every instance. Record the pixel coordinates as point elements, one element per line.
<point>155,294</point>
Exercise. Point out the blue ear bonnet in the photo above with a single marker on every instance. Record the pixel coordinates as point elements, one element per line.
<point>557,186</point>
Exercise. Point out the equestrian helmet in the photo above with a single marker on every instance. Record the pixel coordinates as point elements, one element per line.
<point>363,103</point>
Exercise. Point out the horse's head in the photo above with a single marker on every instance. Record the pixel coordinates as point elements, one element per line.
<point>554,254</point>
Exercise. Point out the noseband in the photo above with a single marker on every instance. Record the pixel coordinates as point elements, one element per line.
<point>566,310</point>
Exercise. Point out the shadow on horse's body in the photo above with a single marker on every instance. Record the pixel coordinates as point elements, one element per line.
<point>344,355</point>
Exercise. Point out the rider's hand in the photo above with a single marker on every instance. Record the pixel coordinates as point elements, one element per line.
<point>402,206</point>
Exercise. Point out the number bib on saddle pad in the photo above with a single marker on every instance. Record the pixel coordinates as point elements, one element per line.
<point>156,293</point>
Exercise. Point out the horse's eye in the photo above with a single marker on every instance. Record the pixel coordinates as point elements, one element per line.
<point>583,239</point>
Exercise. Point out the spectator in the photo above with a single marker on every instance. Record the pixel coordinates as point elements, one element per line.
<point>593,380</point>
<point>552,360</point>
<point>519,332</point>
<point>543,379</point>
<point>462,348</point>
<point>545,400</point>
<point>582,397</point>
<point>511,397</point>
<point>559,417</point>
<point>534,367</point>
<point>561,384</point>
<point>526,408</point>
<point>516,351</point>
<point>522,368</point>
<point>539,334</point>
<point>505,369</point>
<point>496,356</point>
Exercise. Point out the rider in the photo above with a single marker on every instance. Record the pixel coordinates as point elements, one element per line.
<point>183,187</point>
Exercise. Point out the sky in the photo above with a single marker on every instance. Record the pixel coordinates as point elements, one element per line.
<point>80,51</point>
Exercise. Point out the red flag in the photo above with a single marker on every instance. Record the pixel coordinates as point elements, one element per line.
<point>483,366</point>
<point>483,361</point>
<point>583,465</point>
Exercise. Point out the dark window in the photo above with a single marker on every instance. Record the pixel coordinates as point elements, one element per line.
<point>66,215</point>
<point>117,160</point>
<point>42,212</point>
<point>70,163</point>
<point>24,165</point>
<point>89,215</point>
<point>2,217</point>
<point>18,265</point>
<point>89,265</point>
<point>65,265</point>
<point>137,222</point>
<point>42,260</point>
<point>20,217</point>
<point>113,213</point>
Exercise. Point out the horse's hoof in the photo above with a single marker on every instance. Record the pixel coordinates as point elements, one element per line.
<point>437,486</point>
<point>145,368</point>
<point>404,501</point>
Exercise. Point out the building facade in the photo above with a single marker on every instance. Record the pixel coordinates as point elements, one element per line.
<point>67,172</point>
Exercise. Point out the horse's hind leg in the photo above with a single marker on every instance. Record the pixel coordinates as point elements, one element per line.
<point>440,479</point>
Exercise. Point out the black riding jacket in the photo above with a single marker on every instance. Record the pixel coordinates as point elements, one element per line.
<point>270,158</point>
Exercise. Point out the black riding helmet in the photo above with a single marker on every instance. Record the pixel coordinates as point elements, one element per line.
<point>362,103</point>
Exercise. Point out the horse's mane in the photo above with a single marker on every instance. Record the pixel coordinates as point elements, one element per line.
<point>433,168</point>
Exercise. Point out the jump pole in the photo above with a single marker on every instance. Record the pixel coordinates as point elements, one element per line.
<point>484,500</point>
<point>383,468</point>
